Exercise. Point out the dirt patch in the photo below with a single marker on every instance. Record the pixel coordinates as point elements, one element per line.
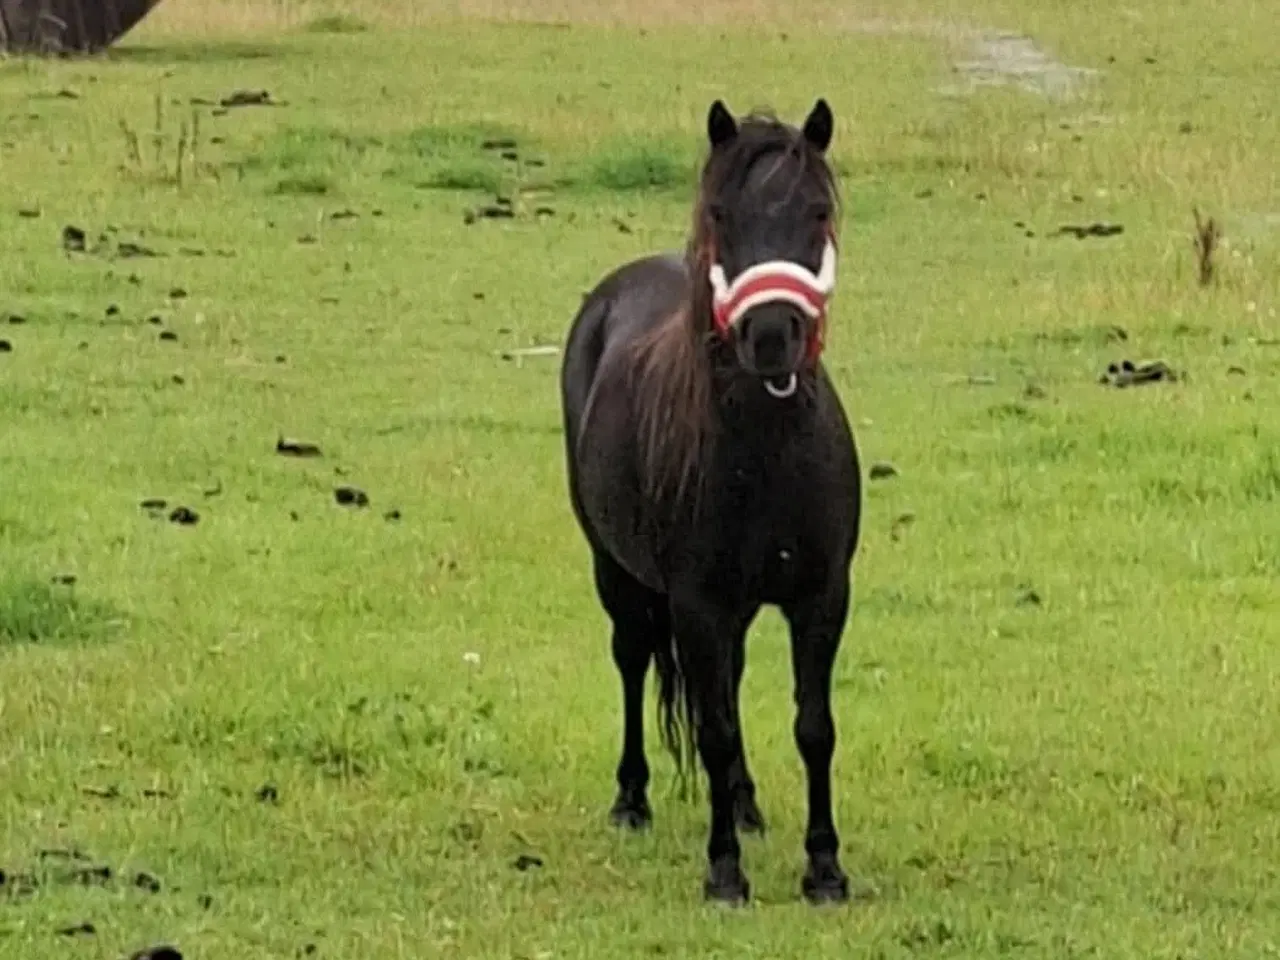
<point>1260,224</point>
<point>1010,59</point>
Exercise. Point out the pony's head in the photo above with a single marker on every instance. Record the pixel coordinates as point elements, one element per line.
<point>764,241</point>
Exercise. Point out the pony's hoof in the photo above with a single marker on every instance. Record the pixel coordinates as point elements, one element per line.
<point>747,814</point>
<point>727,884</point>
<point>825,882</point>
<point>631,813</point>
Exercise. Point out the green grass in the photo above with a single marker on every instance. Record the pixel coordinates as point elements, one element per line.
<point>429,693</point>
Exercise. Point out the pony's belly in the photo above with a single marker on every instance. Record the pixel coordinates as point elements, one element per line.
<point>614,516</point>
<point>628,545</point>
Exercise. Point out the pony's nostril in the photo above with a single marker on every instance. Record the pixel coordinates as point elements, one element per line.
<point>797,326</point>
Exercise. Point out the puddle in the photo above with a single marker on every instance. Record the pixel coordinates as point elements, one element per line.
<point>1011,59</point>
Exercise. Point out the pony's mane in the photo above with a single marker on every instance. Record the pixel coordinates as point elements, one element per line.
<point>672,364</point>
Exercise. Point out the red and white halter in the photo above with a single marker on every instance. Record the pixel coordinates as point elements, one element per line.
<point>776,281</point>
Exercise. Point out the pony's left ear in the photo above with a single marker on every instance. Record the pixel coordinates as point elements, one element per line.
<point>820,125</point>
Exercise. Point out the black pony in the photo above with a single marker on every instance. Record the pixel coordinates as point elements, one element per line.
<point>712,470</point>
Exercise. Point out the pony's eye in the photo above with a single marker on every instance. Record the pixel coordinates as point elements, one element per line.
<point>716,212</point>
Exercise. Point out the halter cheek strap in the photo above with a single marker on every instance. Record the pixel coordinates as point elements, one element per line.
<point>776,281</point>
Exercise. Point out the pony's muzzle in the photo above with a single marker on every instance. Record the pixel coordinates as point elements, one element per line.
<point>771,340</point>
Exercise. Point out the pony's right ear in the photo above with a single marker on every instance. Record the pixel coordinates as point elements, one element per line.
<point>721,127</point>
<point>820,125</point>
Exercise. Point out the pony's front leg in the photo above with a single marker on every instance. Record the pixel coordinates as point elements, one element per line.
<point>816,628</point>
<point>745,809</point>
<point>705,638</point>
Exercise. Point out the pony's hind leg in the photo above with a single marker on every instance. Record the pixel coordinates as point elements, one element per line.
<point>705,637</point>
<point>638,616</point>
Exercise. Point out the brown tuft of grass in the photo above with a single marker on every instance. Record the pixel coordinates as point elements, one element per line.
<point>1205,241</point>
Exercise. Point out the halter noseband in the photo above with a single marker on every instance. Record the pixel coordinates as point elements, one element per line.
<point>776,281</point>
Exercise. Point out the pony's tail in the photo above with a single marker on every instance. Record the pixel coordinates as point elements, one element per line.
<point>677,717</point>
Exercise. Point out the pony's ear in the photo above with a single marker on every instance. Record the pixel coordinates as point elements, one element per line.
<point>820,125</point>
<point>721,127</point>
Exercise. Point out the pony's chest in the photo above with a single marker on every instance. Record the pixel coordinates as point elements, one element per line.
<point>772,530</point>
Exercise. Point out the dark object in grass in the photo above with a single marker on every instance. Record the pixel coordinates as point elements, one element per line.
<point>62,853</point>
<point>73,239</point>
<point>16,319</point>
<point>184,516</point>
<point>882,470</point>
<point>6,346</point>
<point>527,861</point>
<point>296,448</point>
<point>82,929</point>
<point>129,250</point>
<point>499,143</point>
<point>162,952</point>
<point>17,886</point>
<point>1028,597</point>
<point>491,212</point>
<point>145,881</point>
<point>1205,241</point>
<point>1091,230</point>
<point>1126,373</point>
<point>247,98</point>
<point>267,793</point>
<point>351,497</point>
<point>715,472</point>
<point>168,335</point>
<point>900,523</point>
<point>98,876</point>
<point>64,27</point>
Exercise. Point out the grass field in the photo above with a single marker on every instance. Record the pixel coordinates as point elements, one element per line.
<point>342,731</point>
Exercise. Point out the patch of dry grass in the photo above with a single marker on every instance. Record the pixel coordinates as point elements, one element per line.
<point>253,16</point>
